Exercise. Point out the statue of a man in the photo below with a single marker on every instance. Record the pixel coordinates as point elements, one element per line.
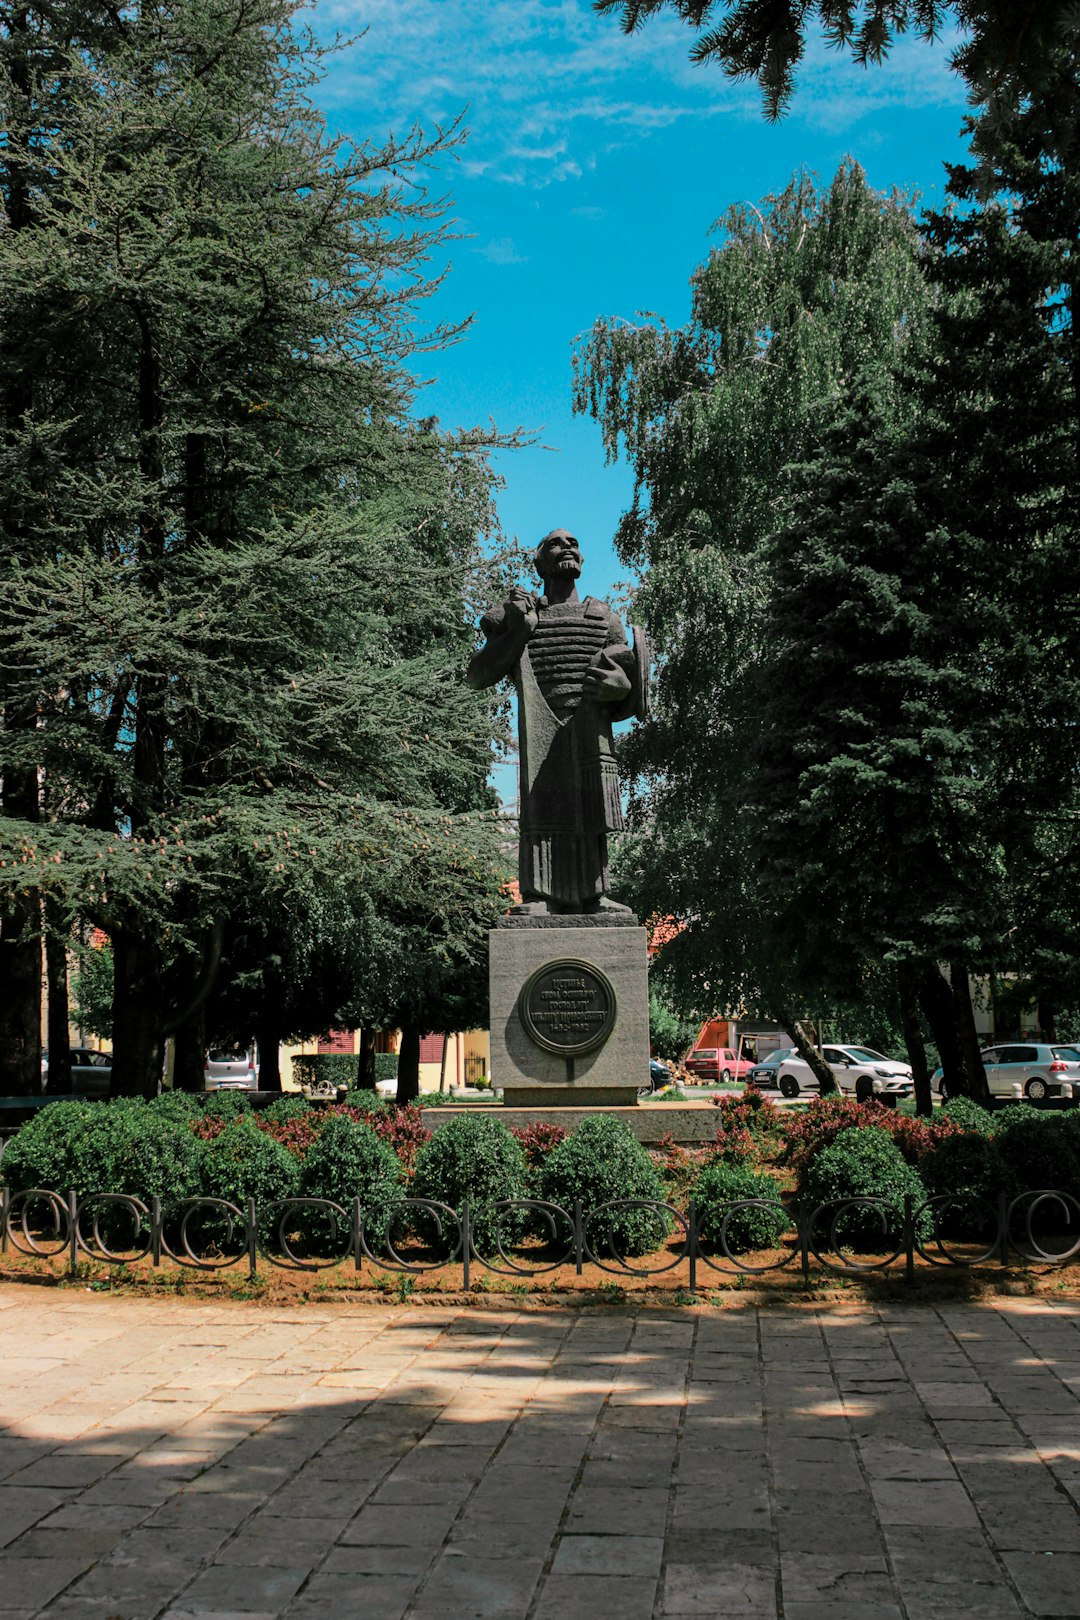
<point>575,675</point>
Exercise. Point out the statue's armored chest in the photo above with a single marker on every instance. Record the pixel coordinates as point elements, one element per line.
<point>565,642</point>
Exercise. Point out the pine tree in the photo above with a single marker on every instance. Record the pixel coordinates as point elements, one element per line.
<point>239,618</point>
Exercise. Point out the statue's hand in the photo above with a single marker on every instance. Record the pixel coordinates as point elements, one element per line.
<point>605,682</point>
<point>521,610</point>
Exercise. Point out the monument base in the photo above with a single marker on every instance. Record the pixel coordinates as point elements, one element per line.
<point>527,1062</point>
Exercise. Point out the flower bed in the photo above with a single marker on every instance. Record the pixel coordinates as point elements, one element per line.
<point>325,1182</point>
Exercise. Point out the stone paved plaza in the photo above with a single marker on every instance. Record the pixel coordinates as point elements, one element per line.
<point>175,1458</point>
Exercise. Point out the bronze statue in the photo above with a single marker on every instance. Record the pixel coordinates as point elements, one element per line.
<point>575,675</point>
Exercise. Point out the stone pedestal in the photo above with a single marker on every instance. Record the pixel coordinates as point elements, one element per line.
<point>569,1010</point>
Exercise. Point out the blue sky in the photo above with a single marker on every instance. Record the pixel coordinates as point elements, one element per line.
<point>593,172</point>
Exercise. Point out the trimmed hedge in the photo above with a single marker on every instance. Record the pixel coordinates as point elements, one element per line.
<point>722,1184</point>
<point>1042,1150</point>
<point>346,1161</point>
<point>600,1162</point>
<point>475,1159</point>
<point>244,1162</point>
<point>972,1115</point>
<point>339,1068</point>
<point>972,1172</point>
<point>122,1146</point>
<point>864,1163</point>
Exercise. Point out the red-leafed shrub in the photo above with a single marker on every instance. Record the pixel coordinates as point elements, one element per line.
<point>826,1117</point>
<point>537,1140</point>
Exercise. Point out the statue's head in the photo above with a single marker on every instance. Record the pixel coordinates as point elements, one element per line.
<point>558,555</point>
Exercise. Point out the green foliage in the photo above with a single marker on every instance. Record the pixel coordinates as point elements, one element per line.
<point>348,1160</point>
<point>42,1152</point>
<point>669,1035</point>
<point>91,990</point>
<point>599,1162</point>
<point>386,1066</point>
<point>226,1104</point>
<point>1004,54</point>
<point>182,1106</point>
<point>285,1108</point>
<point>242,1162</point>
<point>213,311</point>
<point>1041,1150</point>
<point>722,1184</point>
<point>801,294</point>
<point>974,1174</point>
<point>124,1146</point>
<point>336,1068</point>
<point>863,1164</point>
<point>475,1159</point>
<point>969,1114</point>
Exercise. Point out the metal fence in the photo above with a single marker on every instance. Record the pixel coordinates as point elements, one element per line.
<point>211,1234</point>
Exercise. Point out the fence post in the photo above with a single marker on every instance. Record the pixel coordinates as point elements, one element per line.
<point>909,1239</point>
<point>691,1238</point>
<point>466,1246</point>
<point>357,1223</point>
<point>73,1230</point>
<point>252,1241</point>
<point>804,1242</point>
<point>5,1197</point>
<point>155,1230</point>
<point>579,1237</point>
<point>1003,1222</point>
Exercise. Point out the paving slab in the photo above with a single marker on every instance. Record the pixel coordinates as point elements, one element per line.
<point>190,1460</point>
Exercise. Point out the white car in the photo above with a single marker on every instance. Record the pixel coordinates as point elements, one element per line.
<point>227,1069</point>
<point>849,1065</point>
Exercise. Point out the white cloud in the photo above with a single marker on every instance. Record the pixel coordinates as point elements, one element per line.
<point>547,82</point>
<point>501,250</point>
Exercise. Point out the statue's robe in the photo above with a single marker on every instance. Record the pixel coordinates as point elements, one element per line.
<point>569,788</point>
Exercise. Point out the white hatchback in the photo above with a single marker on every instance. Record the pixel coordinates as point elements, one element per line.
<point>849,1065</point>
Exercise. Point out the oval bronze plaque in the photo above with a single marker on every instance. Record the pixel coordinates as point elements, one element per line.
<point>568,1006</point>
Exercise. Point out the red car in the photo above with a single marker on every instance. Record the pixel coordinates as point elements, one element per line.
<point>718,1064</point>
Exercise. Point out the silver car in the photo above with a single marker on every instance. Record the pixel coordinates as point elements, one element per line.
<point>229,1069</point>
<point>1038,1068</point>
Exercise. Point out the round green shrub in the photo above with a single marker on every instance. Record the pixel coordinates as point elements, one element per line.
<point>180,1106</point>
<point>474,1159</point>
<point>970,1114</point>
<point>224,1104</point>
<point>288,1106</point>
<point>863,1163</point>
<point>123,1146</point>
<point>1042,1150</point>
<point>600,1162</point>
<point>42,1152</point>
<point>242,1162</point>
<point>973,1173</point>
<point>348,1160</point>
<point>722,1184</point>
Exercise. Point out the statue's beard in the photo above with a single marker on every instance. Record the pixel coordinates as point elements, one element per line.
<point>569,565</point>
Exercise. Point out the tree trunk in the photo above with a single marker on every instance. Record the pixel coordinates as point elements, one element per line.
<point>969,1035</point>
<point>56,968</point>
<point>1047,1016</point>
<point>138,1024</point>
<point>408,1072</point>
<point>20,998</point>
<point>189,1057</point>
<point>268,1036</point>
<point>365,1068</point>
<point>908,988</point>
<point>808,1052</point>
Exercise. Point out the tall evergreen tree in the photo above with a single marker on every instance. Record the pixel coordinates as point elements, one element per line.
<point>236,635</point>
